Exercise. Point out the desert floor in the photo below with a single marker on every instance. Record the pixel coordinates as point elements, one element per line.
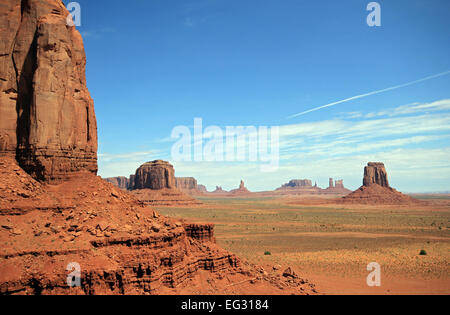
<point>331,245</point>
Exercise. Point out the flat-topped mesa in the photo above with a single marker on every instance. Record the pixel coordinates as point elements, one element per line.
<point>47,118</point>
<point>186,183</point>
<point>155,175</point>
<point>120,182</point>
<point>375,173</point>
<point>295,183</point>
<point>155,185</point>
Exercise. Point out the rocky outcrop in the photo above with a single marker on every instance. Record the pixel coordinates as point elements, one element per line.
<point>121,182</point>
<point>242,190</point>
<point>298,183</point>
<point>202,189</point>
<point>336,187</point>
<point>131,182</point>
<point>375,173</point>
<point>155,175</point>
<point>189,186</point>
<point>155,185</point>
<point>376,190</point>
<point>219,191</point>
<point>201,232</point>
<point>186,183</point>
<point>298,187</point>
<point>339,183</point>
<point>47,118</point>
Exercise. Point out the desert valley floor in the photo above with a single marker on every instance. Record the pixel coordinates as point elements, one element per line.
<point>332,244</point>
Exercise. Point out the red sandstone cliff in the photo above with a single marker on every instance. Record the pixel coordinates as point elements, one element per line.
<point>47,116</point>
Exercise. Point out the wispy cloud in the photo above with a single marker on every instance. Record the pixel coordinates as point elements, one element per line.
<point>95,34</point>
<point>371,93</point>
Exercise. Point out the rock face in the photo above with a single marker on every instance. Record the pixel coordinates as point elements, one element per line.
<point>336,187</point>
<point>376,190</point>
<point>155,185</point>
<point>375,173</point>
<point>339,183</point>
<point>47,118</point>
<point>155,175</point>
<point>121,182</point>
<point>242,190</point>
<point>202,189</point>
<point>295,183</point>
<point>186,183</point>
<point>190,186</point>
<point>219,190</point>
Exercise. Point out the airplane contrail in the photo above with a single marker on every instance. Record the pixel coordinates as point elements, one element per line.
<point>370,93</point>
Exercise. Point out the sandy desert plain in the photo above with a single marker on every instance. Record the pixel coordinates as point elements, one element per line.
<point>331,244</point>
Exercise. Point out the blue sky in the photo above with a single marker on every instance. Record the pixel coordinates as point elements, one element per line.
<point>153,65</point>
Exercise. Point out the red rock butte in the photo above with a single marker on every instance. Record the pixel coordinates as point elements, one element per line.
<point>155,185</point>
<point>376,190</point>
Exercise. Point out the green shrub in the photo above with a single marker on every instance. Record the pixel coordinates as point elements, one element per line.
<point>267,253</point>
<point>423,252</point>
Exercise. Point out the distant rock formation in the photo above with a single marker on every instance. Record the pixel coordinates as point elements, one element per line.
<point>298,183</point>
<point>121,182</point>
<point>155,175</point>
<point>337,187</point>
<point>219,191</point>
<point>47,118</point>
<point>375,173</point>
<point>339,183</point>
<point>190,186</point>
<point>242,190</point>
<point>155,184</point>
<point>186,183</point>
<point>202,188</point>
<point>297,187</point>
<point>376,190</point>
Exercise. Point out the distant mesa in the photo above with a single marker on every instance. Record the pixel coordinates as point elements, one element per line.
<point>190,186</point>
<point>121,182</point>
<point>154,183</point>
<point>202,189</point>
<point>376,190</point>
<point>158,175</point>
<point>297,183</point>
<point>155,175</point>
<point>305,187</point>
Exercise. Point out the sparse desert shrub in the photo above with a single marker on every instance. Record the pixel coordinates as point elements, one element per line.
<point>267,253</point>
<point>423,252</point>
